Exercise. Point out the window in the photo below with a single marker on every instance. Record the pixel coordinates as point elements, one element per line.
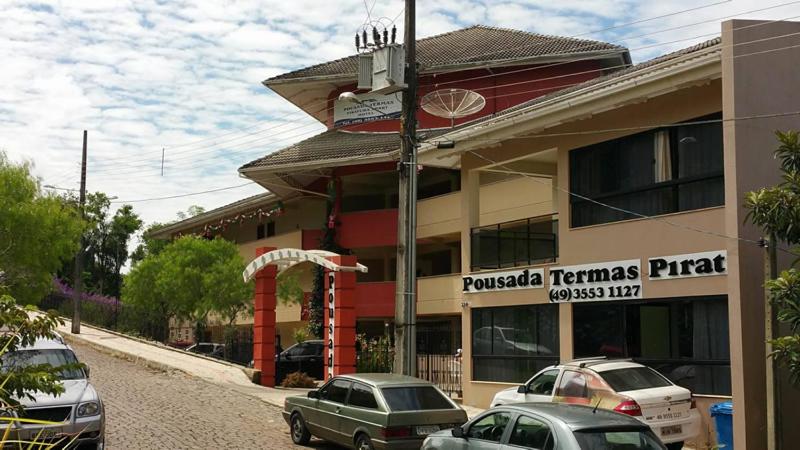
<point>685,339</point>
<point>335,391</point>
<point>511,343</point>
<point>419,398</point>
<point>268,231</point>
<point>531,433</point>
<point>361,396</point>
<point>593,439</point>
<point>490,427</point>
<point>572,384</point>
<point>544,383</point>
<point>56,357</point>
<point>662,171</point>
<point>634,379</point>
<point>518,243</point>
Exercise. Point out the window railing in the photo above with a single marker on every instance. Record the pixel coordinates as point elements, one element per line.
<point>518,243</point>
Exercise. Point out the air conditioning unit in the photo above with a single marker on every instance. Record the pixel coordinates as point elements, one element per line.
<point>388,69</point>
<point>365,70</point>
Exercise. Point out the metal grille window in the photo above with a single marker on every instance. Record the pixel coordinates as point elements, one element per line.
<point>518,243</point>
<point>657,172</point>
<point>510,344</point>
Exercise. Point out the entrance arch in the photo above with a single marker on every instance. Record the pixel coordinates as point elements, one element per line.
<point>339,303</point>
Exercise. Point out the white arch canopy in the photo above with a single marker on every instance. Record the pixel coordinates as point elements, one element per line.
<point>285,258</point>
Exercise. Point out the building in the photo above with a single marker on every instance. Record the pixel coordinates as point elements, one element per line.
<point>597,216</point>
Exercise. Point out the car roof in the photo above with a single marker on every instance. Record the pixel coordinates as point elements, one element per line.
<point>578,417</point>
<point>601,363</point>
<point>385,379</point>
<point>46,344</point>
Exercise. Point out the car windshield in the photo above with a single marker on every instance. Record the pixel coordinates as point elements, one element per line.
<point>54,357</point>
<point>617,440</point>
<point>634,379</point>
<point>415,398</point>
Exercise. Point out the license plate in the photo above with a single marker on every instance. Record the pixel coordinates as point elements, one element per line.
<point>671,430</point>
<point>427,429</point>
<point>670,415</point>
<point>46,433</point>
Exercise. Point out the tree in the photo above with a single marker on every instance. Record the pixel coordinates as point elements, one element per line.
<point>777,210</point>
<point>149,245</point>
<point>188,279</point>
<point>106,244</point>
<point>38,234</point>
<point>190,212</point>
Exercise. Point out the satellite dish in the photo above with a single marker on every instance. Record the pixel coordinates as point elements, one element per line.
<point>452,103</point>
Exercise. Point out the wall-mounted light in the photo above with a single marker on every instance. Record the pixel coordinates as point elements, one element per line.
<point>445,144</point>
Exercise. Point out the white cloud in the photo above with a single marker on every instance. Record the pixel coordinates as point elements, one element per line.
<point>147,74</point>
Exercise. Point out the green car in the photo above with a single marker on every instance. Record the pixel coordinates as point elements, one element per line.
<point>369,411</point>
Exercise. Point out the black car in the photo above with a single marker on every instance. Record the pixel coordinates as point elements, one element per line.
<point>303,357</point>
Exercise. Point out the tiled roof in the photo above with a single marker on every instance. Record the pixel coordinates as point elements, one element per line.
<point>473,45</point>
<point>331,144</point>
<point>342,145</point>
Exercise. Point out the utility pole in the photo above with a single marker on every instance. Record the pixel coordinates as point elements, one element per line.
<point>76,301</point>
<point>770,332</point>
<point>405,310</point>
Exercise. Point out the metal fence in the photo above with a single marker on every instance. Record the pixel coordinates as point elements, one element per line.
<point>441,370</point>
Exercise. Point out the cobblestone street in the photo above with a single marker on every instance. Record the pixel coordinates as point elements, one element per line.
<point>147,409</point>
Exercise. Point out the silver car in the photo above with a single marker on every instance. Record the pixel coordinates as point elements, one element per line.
<point>547,426</point>
<point>78,411</point>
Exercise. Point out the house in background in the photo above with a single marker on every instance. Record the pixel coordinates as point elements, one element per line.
<point>346,176</point>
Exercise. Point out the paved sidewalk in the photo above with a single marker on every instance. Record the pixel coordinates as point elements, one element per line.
<point>162,357</point>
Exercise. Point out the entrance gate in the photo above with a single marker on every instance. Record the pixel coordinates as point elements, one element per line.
<point>340,317</point>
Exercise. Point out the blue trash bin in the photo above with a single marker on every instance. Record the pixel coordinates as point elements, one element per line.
<point>723,422</point>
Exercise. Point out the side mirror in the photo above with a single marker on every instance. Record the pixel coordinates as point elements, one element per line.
<point>313,394</point>
<point>458,432</point>
<point>522,389</point>
<point>86,371</point>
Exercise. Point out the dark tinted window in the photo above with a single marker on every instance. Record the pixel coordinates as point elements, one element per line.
<point>611,440</point>
<point>511,343</point>
<point>335,391</point>
<point>685,339</point>
<point>531,433</point>
<point>634,378</point>
<point>490,428</point>
<point>661,171</point>
<point>361,395</point>
<point>415,398</point>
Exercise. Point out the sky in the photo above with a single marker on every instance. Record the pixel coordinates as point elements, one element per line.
<point>184,77</point>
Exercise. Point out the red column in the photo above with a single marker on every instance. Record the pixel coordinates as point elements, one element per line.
<point>344,319</point>
<point>264,321</point>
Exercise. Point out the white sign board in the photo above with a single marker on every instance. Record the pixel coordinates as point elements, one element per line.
<point>616,280</point>
<point>373,107</point>
<point>331,301</point>
<point>504,281</point>
<point>690,265</point>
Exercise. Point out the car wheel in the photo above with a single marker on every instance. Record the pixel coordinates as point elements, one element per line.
<point>675,446</point>
<point>363,442</point>
<point>300,434</point>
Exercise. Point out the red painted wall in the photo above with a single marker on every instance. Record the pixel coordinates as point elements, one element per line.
<point>502,88</point>
<point>375,299</point>
<point>361,229</point>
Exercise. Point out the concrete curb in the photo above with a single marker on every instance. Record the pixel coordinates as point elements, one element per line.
<point>150,364</point>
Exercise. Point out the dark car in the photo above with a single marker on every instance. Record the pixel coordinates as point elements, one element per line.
<point>305,357</point>
<point>547,426</point>
<point>372,411</point>
<point>211,349</point>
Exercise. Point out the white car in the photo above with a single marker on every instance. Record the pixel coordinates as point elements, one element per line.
<point>621,385</point>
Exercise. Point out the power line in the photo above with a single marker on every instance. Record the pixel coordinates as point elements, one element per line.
<point>184,195</point>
